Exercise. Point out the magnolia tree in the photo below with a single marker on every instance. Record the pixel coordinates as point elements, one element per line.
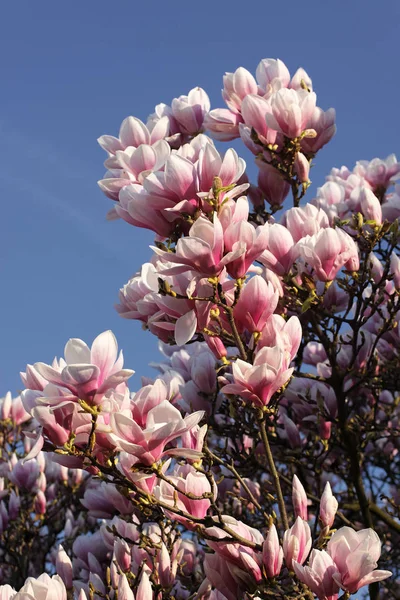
<point>262,459</point>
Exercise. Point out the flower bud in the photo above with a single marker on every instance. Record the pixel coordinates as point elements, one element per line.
<point>395,269</point>
<point>122,554</point>
<point>370,206</point>
<point>272,553</point>
<point>299,499</point>
<point>302,167</point>
<point>124,591</point>
<point>297,543</point>
<point>145,590</point>
<point>14,504</point>
<point>328,506</point>
<point>64,567</point>
<point>40,503</point>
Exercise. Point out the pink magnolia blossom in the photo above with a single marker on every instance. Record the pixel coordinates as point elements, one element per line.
<point>331,199</point>
<point>243,235</point>
<point>328,506</point>
<point>138,163</point>
<point>166,567</point>
<point>305,220</point>
<point>302,168</point>
<point>133,294</point>
<point>102,500</point>
<point>223,124</point>
<point>300,78</point>
<point>13,409</point>
<point>189,111</point>
<point>139,150</point>
<point>328,251</point>
<point>257,383</point>
<point>272,553</point>
<point>379,173</point>
<point>87,373</point>
<point>229,168</point>
<point>185,480</point>
<point>183,187</point>
<point>60,419</point>
<point>355,554</point>
<point>122,553</point>
<point>237,86</point>
<point>64,567</point>
<point>370,206</point>
<point>319,575</point>
<point>299,499</point>
<point>164,423</point>
<point>280,253</point>
<point>224,576</point>
<point>7,592</point>
<point>395,269</point>
<point>134,207</point>
<point>243,562</point>
<point>185,116</point>
<point>323,123</point>
<point>255,110</point>
<point>297,543</point>
<point>257,301</point>
<point>391,205</point>
<point>134,133</point>
<point>148,397</point>
<point>272,75</point>
<point>145,589</point>
<point>140,299</point>
<point>202,251</point>
<point>285,334</point>
<point>271,183</point>
<point>32,380</point>
<point>124,590</point>
<point>291,111</point>
<point>25,474</point>
<point>44,587</point>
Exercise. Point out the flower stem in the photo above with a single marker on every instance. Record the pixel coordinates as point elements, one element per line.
<point>274,474</point>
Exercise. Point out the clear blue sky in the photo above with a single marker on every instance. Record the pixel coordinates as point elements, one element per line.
<point>72,71</point>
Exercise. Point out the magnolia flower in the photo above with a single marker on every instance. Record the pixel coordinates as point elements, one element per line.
<point>328,251</point>
<point>379,173</point>
<point>370,205</point>
<point>271,183</point>
<point>189,111</point>
<point>243,562</point>
<point>272,553</point>
<point>139,150</point>
<point>87,373</point>
<point>256,383</point>
<point>299,499</point>
<point>304,220</point>
<point>257,301</point>
<point>272,75</point>
<point>43,588</point>
<point>291,111</point>
<point>202,251</point>
<point>319,575</point>
<point>186,492</point>
<point>355,554</point>
<point>223,124</point>
<point>164,423</point>
<point>328,506</point>
<point>237,86</point>
<point>297,543</point>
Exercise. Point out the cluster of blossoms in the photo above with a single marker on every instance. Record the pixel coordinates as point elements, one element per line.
<point>262,461</point>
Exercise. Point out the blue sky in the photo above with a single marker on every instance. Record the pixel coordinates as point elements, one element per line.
<point>73,71</point>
